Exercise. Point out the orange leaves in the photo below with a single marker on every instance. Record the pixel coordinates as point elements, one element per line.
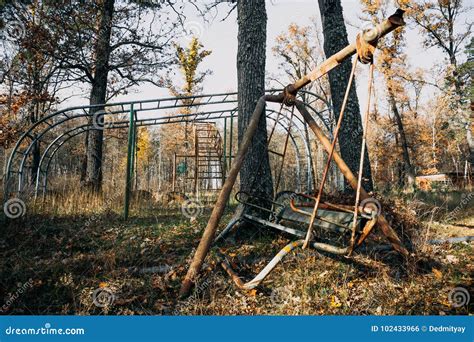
<point>437,273</point>
<point>335,302</point>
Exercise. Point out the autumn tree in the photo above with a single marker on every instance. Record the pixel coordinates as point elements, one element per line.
<point>111,46</point>
<point>441,23</point>
<point>177,138</point>
<point>189,58</point>
<point>31,79</point>
<point>392,63</point>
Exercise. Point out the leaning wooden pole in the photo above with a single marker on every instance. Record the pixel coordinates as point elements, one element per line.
<point>212,224</point>
<point>368,37</point>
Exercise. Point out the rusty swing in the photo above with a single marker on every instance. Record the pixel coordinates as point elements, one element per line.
<point>339,229</point>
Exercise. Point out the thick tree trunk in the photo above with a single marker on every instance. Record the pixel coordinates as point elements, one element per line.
<point>470,135</point>
<point>98,93</point>
<point>36,152</point>
<point>255,174</point>
<point>84,159</point>
<point>408,174</point>
<point>350,135</point>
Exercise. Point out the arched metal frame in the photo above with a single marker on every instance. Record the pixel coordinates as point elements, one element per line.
<point>38,132</point>
<point>54,146</point>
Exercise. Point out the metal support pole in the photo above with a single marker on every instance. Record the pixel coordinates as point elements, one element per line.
<point>196,161</point>
<point>174,173</point>
<point>224,166</point>
<point>231,138</point>
<point>129,170</point>
<point>134,153</point>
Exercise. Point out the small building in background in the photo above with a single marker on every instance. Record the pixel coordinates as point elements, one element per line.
<point>453,180</point>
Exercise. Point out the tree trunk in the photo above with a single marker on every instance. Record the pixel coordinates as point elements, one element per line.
<point>36,152</point>
<point>408,174</point>
<point>98,94</point>
<point>255,174</point>
<point>84,159</point>
<point>350,134</point>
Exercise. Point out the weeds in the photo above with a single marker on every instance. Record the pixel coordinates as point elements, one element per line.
<point>68,252</point>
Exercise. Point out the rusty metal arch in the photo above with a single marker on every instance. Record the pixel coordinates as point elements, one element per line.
<point>54,147</point>
<point>39,130</point>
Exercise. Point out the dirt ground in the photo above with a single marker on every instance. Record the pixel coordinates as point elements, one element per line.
<point>101,264</point>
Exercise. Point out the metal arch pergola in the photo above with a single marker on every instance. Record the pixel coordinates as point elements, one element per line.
<point>45,130</point>
<point>58,142</point>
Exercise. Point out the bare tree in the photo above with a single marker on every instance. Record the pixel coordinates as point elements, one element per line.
<point>113,46</point>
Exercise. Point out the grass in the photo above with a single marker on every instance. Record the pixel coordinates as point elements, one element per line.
<point>60,257</point>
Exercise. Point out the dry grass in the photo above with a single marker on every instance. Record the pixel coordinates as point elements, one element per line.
<point>72,248</point>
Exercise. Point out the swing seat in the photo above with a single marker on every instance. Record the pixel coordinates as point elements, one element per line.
<point>330,220</point>
<point>294,219</point>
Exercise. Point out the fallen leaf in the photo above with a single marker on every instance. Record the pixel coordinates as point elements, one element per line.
<point>252,293</point>
<point>438,274</point>
<point>335,302</point>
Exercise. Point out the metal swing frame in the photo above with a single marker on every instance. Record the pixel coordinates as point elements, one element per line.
<point>364,47</point>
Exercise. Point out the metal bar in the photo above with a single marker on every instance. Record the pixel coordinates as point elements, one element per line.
<point>196,160</point>
<point>361,162</point>
<point>370,36</point>
<point>231,138</point>
<point>274,125</point>
<point>284,150</point>
<point>134,147</point>
<point>331,152</point>
<point>266,223</point>
<point>275,152</point>
<point>263,273</point>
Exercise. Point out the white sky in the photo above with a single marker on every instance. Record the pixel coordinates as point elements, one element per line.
<point>221,38</point>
